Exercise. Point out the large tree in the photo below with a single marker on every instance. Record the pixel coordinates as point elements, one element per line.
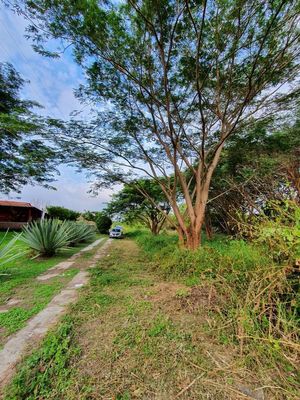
<point>24,156</point>
<point>181,77</point>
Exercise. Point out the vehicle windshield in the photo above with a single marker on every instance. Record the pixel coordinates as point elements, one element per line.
<point>116,230</point>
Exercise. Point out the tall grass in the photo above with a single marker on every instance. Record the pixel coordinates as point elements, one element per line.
<point>258,299</point>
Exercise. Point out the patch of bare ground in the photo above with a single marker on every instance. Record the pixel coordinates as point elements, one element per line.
<point>144,338</point>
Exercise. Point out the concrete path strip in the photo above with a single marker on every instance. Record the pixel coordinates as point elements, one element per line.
<point>38,326</point>
<point>64,265</point>
<point>52,272</point>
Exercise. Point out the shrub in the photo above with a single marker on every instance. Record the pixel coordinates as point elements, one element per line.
<point>62,213</point>
<point>46,236</point>
<point>80,232</point>
<point>278,229</point>
<point>281,231</point>
<point>103,222</point>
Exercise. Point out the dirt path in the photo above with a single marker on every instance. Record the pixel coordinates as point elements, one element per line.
<point>38,326</point>
<point>142,337</point>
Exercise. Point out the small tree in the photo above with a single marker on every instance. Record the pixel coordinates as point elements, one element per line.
<point>103,222</point>
<point>62,213</point>
<point>133,203</point>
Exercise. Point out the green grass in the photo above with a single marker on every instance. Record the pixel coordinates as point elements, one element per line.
<point>133,334</point>
<point>39,295</point>
<point>22,270</point>
<point>47,364</point>
<point>18,280</point>
<point>132,331</point>
<point>258,299</point>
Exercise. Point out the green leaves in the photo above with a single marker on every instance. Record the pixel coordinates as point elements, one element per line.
<point>46,236</point>
<point>24,157</point>
<point>8,250</point>
<point>80,232</point>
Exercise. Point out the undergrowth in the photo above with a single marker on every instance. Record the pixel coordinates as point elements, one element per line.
<point>258,298</point>
<point>46,367</point>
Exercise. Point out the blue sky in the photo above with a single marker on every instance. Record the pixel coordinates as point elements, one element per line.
<point>51,84</point>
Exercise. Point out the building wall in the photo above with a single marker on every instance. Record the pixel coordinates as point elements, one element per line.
<point>16,217</point>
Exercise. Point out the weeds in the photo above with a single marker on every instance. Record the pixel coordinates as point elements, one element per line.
<point>158,339</point>
<point>257,300</point>
<point>46,367</point>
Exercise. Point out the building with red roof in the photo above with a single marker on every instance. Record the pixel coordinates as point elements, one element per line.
<point>15,214</point>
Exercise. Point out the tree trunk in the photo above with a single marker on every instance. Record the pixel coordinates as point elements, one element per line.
<point>180,237</point>
<point>154,228</point>
<point>208,226</point>
<point>191,239</point>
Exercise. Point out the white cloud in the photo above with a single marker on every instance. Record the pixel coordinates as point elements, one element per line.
<point>51,84</point>
<point>72,192</point>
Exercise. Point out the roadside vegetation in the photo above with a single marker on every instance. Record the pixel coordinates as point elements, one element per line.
<point>158,323</point>
<point>25,258</point>
<point>47,236</point>
<point>202,130</point>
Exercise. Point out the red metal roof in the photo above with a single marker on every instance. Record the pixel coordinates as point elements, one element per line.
<point>10,203</point>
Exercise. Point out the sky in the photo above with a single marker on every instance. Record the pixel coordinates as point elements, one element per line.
<point>52,82</point>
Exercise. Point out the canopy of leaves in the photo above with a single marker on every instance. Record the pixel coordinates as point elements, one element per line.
<point>24,156</point>
<point>62,213</point>
<point>258,166</point>
<point>103,222</point>
<point>141,201</point>
<point>180,76</point>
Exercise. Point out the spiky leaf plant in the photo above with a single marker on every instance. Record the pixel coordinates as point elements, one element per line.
<point>80,232</point>
<point>9,250</point>
<point>47,236</point>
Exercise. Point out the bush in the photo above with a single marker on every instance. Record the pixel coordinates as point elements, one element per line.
<point>278,229</point>
<point>62,213</point>
<point>103,223</point>
<point>281,231</point>
<point>46,236</point>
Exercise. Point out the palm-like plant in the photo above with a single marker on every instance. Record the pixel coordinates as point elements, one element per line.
<point>80,232</point>
<point>47,236</point>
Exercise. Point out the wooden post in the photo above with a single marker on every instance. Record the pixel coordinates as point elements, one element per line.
<point>29,214</point>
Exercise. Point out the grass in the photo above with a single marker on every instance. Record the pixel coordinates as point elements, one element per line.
<point>56,352</point>
<point>34,298</point>
<point>18,281</point>
<point>135,335</point>
<point>19,271</point>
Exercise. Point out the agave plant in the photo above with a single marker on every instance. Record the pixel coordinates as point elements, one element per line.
<point>47,236</point>
<point>8,251</point>
<point>80,232</point>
